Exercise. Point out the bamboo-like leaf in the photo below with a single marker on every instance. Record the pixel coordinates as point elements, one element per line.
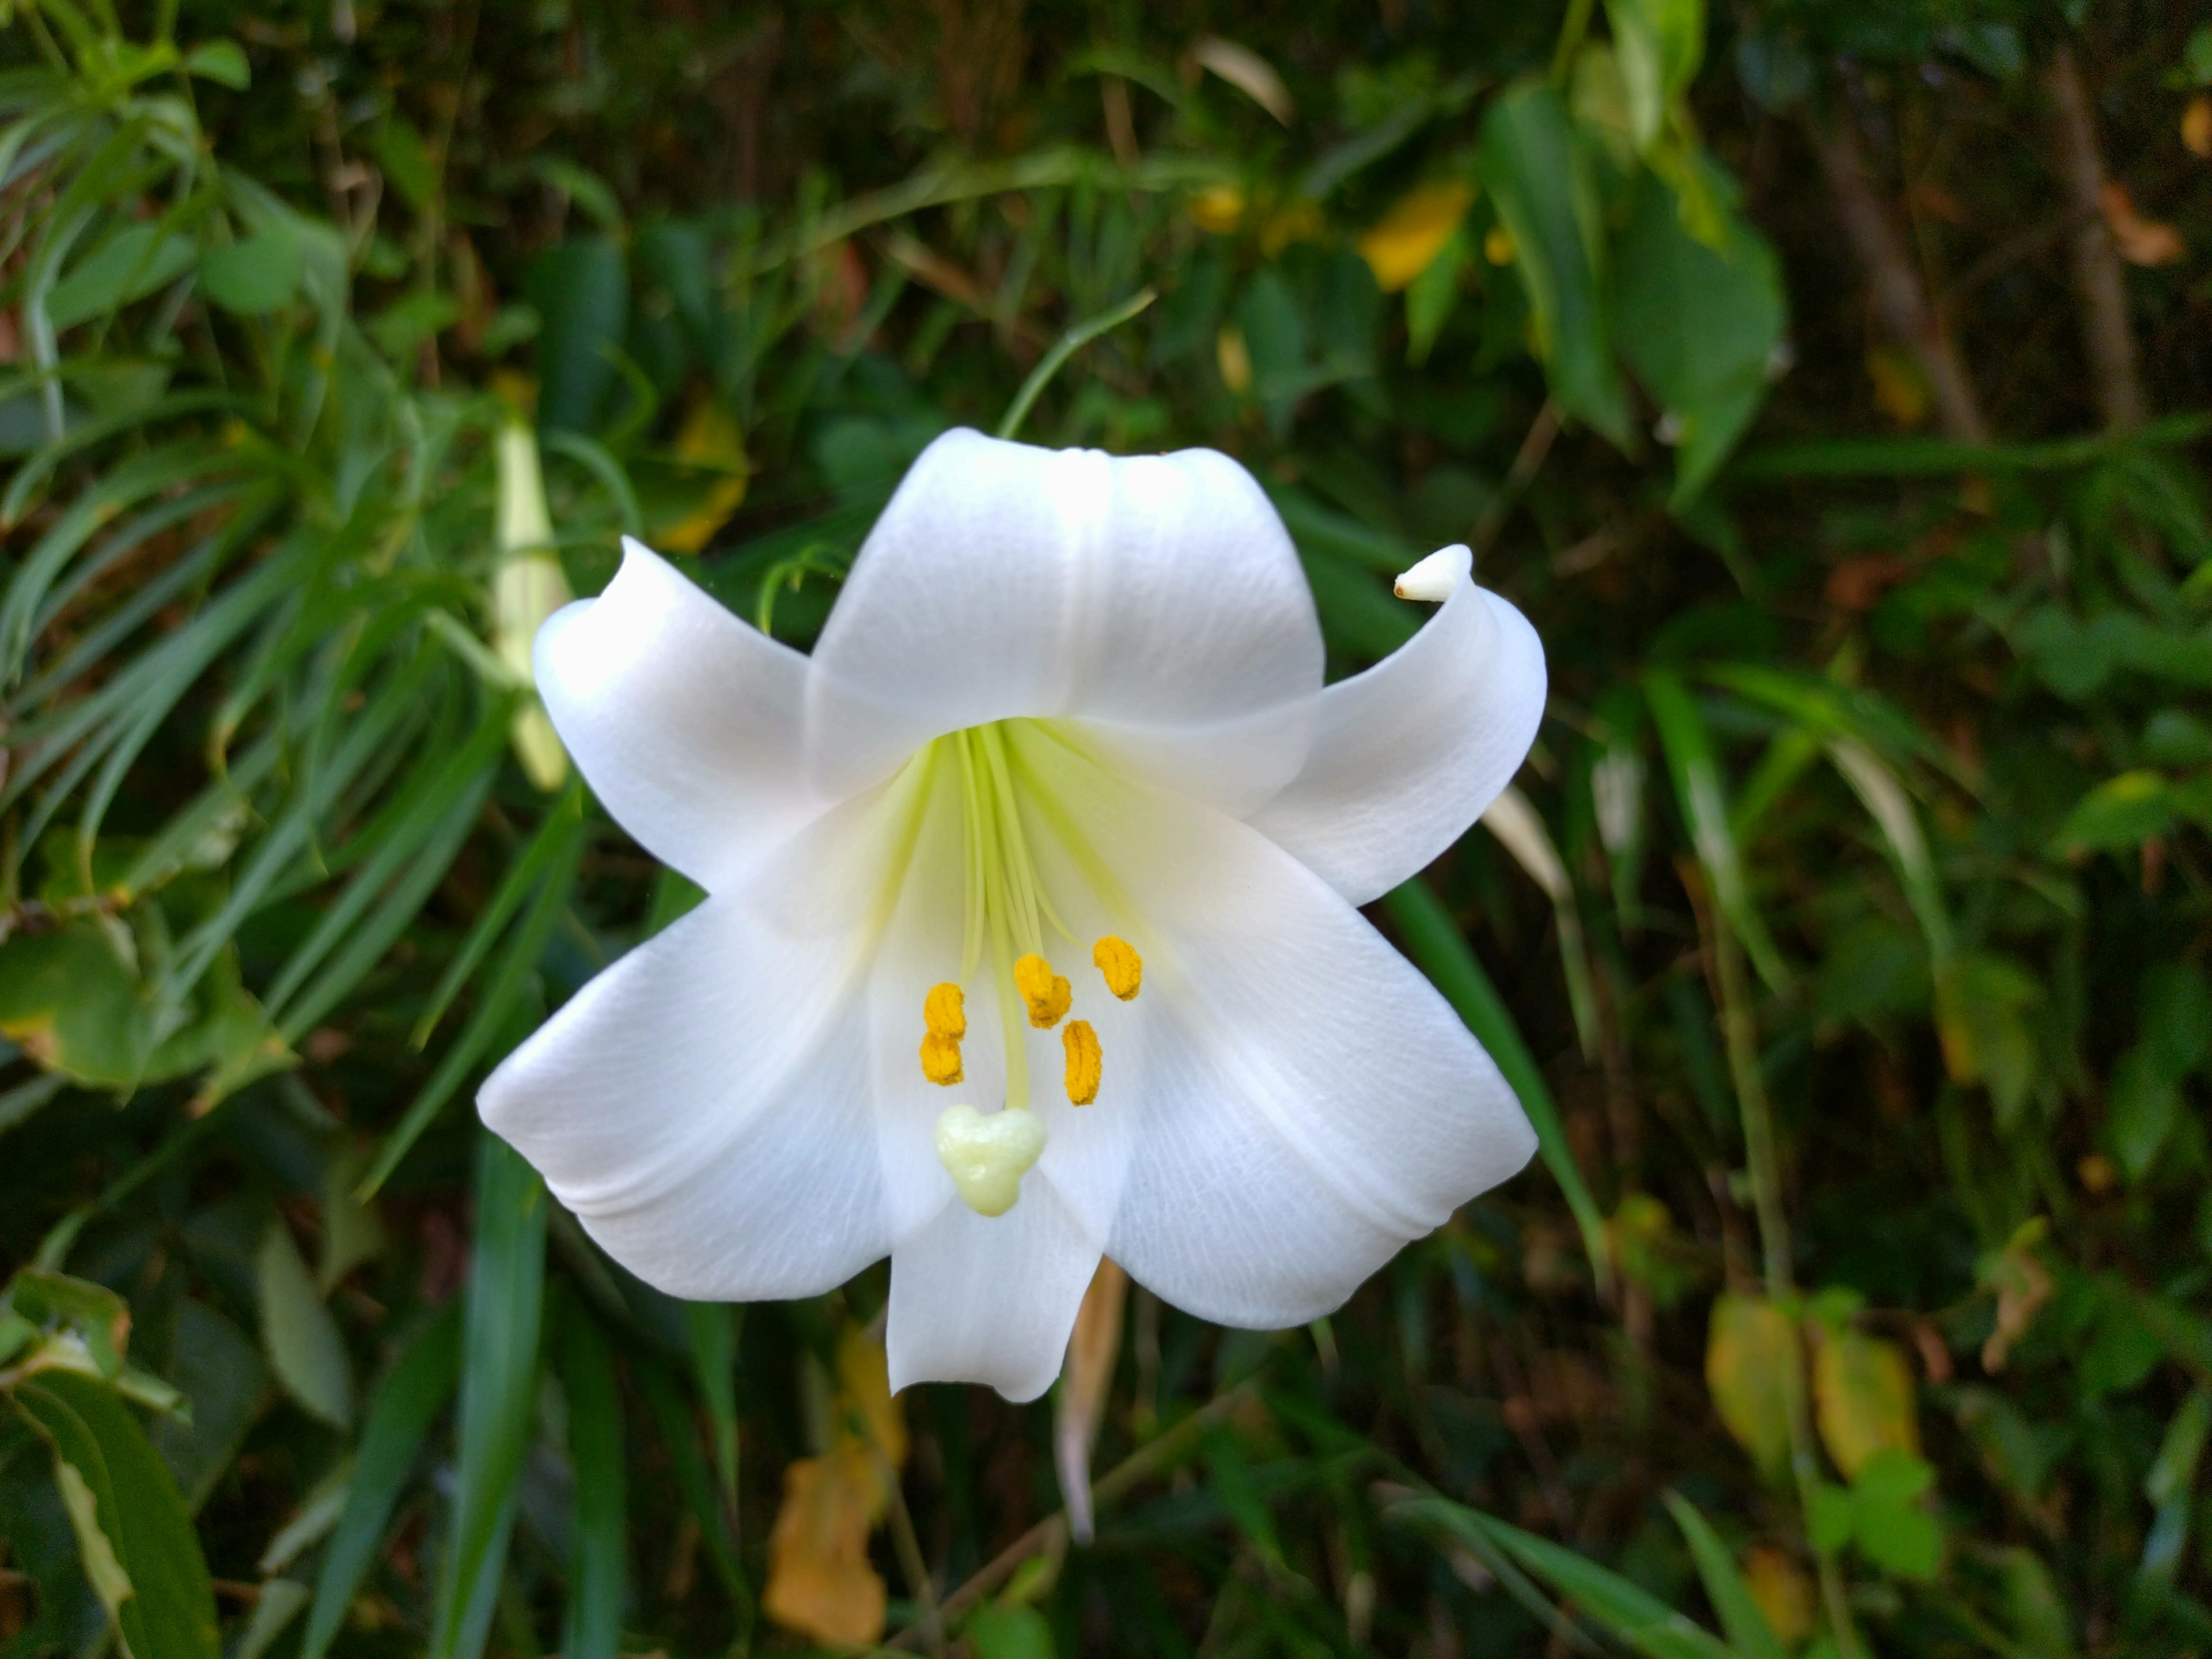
<point>598,1567</point>
<point>415,1391</point>
<point>713,1328</point>
<point>1704,800</point>
<point>1435,943</point>
<point>499,1387</point>
<point>1748,1632</point>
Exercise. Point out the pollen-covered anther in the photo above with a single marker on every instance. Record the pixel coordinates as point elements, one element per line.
<point>1045,992</point>
<point>1084,1061</point>
<point>940,1059</point>
<point>945,1011</point>
<point>1117,959</point>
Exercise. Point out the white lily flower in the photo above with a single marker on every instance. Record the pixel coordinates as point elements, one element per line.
<point>1062,758</point>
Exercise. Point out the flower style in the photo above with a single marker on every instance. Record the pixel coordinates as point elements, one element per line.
<point>1030,930</point>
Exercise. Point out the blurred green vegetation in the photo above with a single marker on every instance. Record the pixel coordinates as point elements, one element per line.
<point>1826,381</point>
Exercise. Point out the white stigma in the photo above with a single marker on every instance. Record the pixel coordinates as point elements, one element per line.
<point>988,1157</point>
<point>1434,577</point>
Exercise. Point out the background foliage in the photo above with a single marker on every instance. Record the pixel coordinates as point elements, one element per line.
<point>1823,380</point>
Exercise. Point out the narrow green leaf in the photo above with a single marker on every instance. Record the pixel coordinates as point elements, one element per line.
<point>1748,1632</point>
<point>1704,800</point>
<point>598,1566</point>
<point>1438,947</point>
<point>414,1394</point>
<point>1630,1612</point>
<point>499,1389</point>
<point>679,1433</point>
<point>713,1328</point>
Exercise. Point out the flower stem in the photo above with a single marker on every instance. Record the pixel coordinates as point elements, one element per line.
<point>1066,347</point>
<point>1741,1036</point>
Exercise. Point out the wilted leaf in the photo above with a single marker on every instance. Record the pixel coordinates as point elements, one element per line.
<point>1092,1349</point>
<point>2141,241</point>
<point>819,1582</point>
<point>1783,1590</point>
<point>1862,1396</point>
<point>1749,1353</point>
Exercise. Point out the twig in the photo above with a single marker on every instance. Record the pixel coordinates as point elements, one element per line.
<point>1050,1535</point>
<point>1899,302</point>
<point>1535,447</point>
<point>2108,337</point>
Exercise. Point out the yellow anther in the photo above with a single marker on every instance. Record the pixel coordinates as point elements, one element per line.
<point>945,1013</point>
<point>1046,992</point>
<point>940,1059</point>
<point>1118,960</point>
<point>1084,1061</point>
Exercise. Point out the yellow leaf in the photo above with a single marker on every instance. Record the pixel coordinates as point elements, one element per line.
<point>1217,209</point>
<point>710,442</point>
<point>1900,390</point>
<point>1300,220</point>
<point>1497,245</point>
<point>1234,358</point>
<point>1782,1592</point>
<point>1749,1353</point>
<point>819,1582</point>
<point>1401,244</point>
<point>1863,1394</point>
<point>869,1420</point>
<point>2197,125</point>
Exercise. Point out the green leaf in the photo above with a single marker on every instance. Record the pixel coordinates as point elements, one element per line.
<point>679,1434</point>
<point>100,1454</point>
<point>1658,44</point>
<point>254,276</point>
<point>280,1604</point>
<point>414,1394</point>
<point>71,998</point>
<point>1432,296</point>
<point>1440,950</point>
<point>2120,814</point>
<point>1748,1632</point>
<point>221,61</point>
<point>1009,1634</point>
<point>219,1372</point>
<point>1703,800</point>
<point>89,1317</point>
<point>2143,1104</point>
<point>303,1340</point>
<point>713,1330</point>
<point>407,161</point>
<point>1536,179</point>
<point>599,1560</point>
<point>499,1389</point>
<point>1699,324</point>
<point>129,265</point>
<point>580,291</point>
<point>1630,1612</point>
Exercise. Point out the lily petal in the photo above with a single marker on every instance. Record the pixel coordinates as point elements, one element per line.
<point>1288,1100</point>
<point>685,721</point>
<point>1408,755</point>
<point>1157,598</point>
<point>706,1106</point>
<point>977,1299</point>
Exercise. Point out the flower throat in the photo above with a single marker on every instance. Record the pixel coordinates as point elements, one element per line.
<point>1006,915</point>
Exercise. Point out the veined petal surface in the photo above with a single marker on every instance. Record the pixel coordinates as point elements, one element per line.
<point>706,1106</point>
<point>686,722</point>
<point>1157,598</point>
<point>990,1299</point>
<point>1408,755</point>
<point>1288,1100</point>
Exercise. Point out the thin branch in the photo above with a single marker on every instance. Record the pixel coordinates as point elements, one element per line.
<point>1900,300</point>
<point>1050,1535</point>
<point>2108,337</point>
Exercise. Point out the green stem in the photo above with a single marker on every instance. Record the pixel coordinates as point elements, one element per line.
<point>1570,40</point>
<point>1741,1036</point>
<point>1081,335</point>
